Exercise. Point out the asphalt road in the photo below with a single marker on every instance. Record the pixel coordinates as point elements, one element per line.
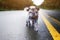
<point>54,15</point>
<point>13,27</point>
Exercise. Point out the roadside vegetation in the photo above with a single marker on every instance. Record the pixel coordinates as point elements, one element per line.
<point>14,4</point>
<point>21,4</point>
<point>51,4</point>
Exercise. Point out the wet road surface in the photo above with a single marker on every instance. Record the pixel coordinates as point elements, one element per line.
<point>53,16</point>
<point>13,27</point>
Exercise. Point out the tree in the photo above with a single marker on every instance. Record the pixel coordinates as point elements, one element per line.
<point>51,4</point>
<point>15,4</point>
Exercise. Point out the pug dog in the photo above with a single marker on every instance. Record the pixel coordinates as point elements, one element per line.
<point>33,15</point>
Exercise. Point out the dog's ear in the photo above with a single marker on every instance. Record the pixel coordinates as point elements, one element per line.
<point>28,9</point>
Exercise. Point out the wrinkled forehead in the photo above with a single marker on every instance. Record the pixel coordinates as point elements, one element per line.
<point>33,10</point>
<point>32,7</point>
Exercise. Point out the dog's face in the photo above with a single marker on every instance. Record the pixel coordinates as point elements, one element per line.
<point>32,9</point>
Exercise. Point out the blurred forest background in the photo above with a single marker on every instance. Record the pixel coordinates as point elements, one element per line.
<point>21,4</point>
<point>51,4</point>
<point>14,4</point>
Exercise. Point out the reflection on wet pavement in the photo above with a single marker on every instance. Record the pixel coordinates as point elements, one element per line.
<point>12,27</point>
